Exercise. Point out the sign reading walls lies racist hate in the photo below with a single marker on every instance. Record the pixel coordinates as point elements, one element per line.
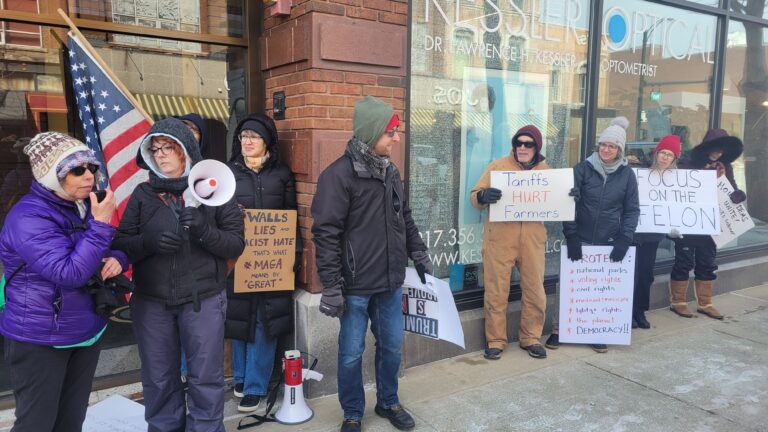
<point>535,195</point>
<point>270,251</point>
<point>734,218</point>
<point>685,200</point>
<point>596,297</point>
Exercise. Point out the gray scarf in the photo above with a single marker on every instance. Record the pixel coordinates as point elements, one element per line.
<point>603,168</point>
<point>377,165</point>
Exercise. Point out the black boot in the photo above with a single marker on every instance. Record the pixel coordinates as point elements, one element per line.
<point>638,316</point>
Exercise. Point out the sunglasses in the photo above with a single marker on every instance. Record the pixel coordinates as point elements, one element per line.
<point>526,144</point>
<point>80,170</point>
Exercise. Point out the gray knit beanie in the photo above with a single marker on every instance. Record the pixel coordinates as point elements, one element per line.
<point>616,133</point>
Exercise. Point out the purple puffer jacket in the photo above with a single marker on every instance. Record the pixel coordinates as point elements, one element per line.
<point>61,252</point>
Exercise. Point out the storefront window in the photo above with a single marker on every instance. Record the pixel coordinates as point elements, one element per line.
<point>745,114</point>
<point>755,8</point>
<point>479,72</point>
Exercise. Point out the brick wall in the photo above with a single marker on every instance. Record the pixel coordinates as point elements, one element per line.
<point>326,56</point>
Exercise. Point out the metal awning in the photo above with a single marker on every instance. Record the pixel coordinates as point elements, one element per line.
<point>161,106</point>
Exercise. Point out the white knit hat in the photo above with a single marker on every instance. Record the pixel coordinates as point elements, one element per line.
<point>46,150</point>
<point>616,133</point>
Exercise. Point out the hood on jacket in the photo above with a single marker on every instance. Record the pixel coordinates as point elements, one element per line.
<point>176,130</point>
<point>717,139</point>
<point>533,132</point>
<point>200,123</point>
<point>273,144</point>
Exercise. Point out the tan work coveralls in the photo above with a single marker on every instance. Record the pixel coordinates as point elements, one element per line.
<point>507,244</point>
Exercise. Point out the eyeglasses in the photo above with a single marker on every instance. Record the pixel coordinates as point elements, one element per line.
<point>80,170</point>
<point>608,145</point>
<point>666,153</point>
<point>526,144</point>
<point>244,137</point>
<point>392,132</point>
<point>165,149</point>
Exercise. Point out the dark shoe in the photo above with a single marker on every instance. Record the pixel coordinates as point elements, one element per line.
<point>642,322</point>
<point>397,415</point>
<point>601,348</point>
<point>249,403</point>
<point>634,323</point>
<point>535,351</point>
<point>553,341</point>
<point>238,390</point>
<point>492,353</point>
<point>350,425</point>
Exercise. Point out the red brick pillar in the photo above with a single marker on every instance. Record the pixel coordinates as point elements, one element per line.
<point>325,56</point>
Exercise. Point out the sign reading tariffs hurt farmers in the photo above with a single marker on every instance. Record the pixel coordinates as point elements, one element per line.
<point>270,251</point>
<point>536,195</point>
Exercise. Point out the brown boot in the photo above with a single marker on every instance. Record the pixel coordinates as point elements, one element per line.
<point>678,305</point>
<point>704,299</point>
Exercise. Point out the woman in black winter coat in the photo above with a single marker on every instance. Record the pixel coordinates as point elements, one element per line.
<point>256,320</point>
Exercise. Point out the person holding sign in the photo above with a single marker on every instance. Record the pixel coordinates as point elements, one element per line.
<point>698,252</point>
<point>508,244</point>
<point>363,234</point>
<point>256,320</point>
<point>55,240</point>
<point>607,205</point>
<point>665,157</point>
<point>179,258</point>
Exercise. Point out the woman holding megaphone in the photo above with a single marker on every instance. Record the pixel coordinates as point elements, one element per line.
<point>179,257</point>
<point>256,320</point>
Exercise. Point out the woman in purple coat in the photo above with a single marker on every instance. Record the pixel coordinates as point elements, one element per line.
<point>54,240</point>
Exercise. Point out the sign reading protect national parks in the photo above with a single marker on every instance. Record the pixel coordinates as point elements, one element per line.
<point>535,195</point>
<point>270,251</point>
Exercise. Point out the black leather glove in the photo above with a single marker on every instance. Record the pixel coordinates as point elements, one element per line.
<point>488,196</point>
<point>332,301</point>
<point>167,242</point>
<point>575,193</point>
<point>738,196</point>
<point>192,218</point>
<point>574,248</point>
<point>620,247</point>
<point>423,264</point>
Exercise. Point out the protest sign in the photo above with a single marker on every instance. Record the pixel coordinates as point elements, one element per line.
<point>429,309</point>
<point>535,195</point>
<point>734,218</point>
<point>596,297</point>
<point>115,414</point>
<point>270,251</point>
<point>685,200</point>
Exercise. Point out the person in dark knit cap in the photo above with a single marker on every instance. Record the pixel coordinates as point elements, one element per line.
<point>364,234</point>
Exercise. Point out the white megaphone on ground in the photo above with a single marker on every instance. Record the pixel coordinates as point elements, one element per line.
<point>294,409</point>
<point>210,182</point>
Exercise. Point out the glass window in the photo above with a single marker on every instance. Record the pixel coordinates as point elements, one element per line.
<point>479,72</point>
<point>755,8</point>
<point>745,115</point>
<point>13,33</point>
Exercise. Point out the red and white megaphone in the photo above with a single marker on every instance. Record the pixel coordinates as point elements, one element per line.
<point>210,182</point>
<point>294,409</point>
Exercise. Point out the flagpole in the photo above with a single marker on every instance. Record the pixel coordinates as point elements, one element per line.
<point>104,66</point>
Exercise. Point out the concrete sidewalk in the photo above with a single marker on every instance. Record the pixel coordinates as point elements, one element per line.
<point>683,374</point>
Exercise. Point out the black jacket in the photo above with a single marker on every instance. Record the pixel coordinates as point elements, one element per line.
<point>273,187</point>
<point>363,230</point>
<point>201,262</point>
<point>606,210</point>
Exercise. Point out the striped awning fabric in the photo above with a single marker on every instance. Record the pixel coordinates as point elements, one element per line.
<point>161,106</point>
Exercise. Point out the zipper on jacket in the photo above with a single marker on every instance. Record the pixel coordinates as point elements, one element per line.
<point>599,209</point>
<point>57,304</point>
<point>351,264</point>
<point>386,226</point>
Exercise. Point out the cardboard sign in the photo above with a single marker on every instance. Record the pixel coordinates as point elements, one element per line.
<point>533,196</point>
<point>429,309</point>
<point>270,251</point>
<point>685,200</point>
<point>115,414</point>
<point>596,297</point>
<point>734,218</point>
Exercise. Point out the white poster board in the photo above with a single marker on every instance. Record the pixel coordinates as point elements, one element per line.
<point>534,195</point>
<point>734,218</point>
<point>115,414</point>
<point>596,297</point>
<point>429,309</point>
<point>685,200</point>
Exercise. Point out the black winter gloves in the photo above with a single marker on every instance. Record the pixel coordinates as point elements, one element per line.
<point>332,301</point>
<point>574,248</point>
<point>620,247</point>
<point>575,193</point>
<point>167,242</point>
<point>192,219</point>
<point>738,196</point>
<point>423,264</point>
<point>488,196</point>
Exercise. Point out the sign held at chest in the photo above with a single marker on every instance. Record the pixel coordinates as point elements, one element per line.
<point>270,251</point>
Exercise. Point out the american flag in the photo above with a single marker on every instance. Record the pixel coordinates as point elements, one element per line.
<point>112,126</point>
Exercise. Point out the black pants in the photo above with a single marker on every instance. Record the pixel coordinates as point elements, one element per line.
<point>697,253</point>
<point>645,258</point>
<point>51,385</point>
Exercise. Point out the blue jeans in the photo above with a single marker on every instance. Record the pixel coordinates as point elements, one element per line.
<point>385,312</point>
<point>252,362</point>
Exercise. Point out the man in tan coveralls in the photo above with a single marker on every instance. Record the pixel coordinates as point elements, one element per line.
<point>507,244</point>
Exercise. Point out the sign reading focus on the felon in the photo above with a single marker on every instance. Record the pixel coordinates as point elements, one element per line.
<point>270,251</point>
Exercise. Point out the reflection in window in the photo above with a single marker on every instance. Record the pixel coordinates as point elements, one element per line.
<point>13,33</point>
<point>516,46</point>
<point>181,15</point>
<point>755,8</point>
<point>462,42</point>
